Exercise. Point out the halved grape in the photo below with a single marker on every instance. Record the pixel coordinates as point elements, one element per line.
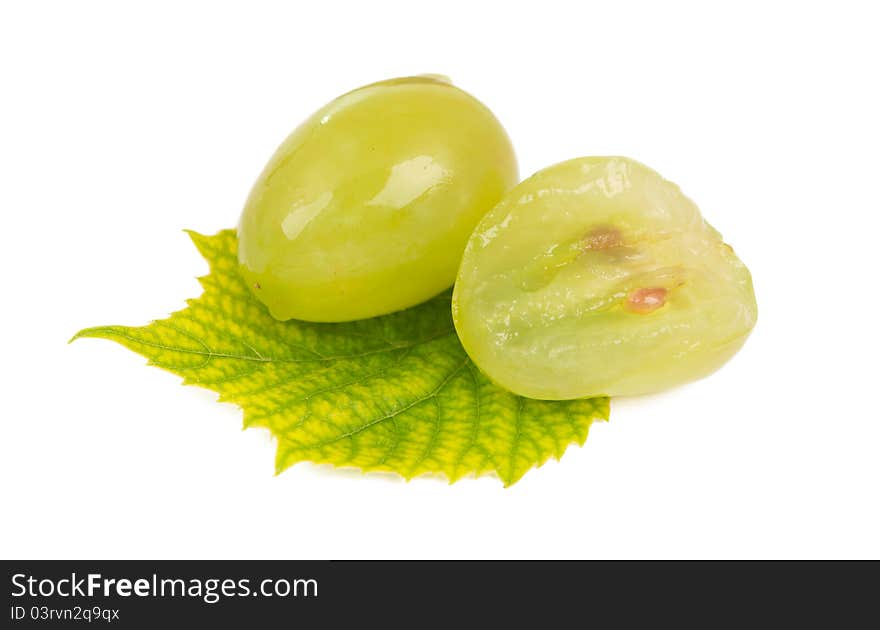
<point>366,207</point>
<point>596,277</point>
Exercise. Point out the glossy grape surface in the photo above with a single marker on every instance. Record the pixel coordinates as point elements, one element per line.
<point>595,277</point>
<point>367,206</point>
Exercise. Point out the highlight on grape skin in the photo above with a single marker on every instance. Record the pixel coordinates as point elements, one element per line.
<point>596,277</point>
<point>367,206</point>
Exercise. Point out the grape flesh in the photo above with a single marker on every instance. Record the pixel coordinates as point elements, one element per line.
<point>367,206</point>
<point>597,277</point>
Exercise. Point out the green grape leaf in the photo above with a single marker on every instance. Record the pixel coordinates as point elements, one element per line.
<point>393,393</point>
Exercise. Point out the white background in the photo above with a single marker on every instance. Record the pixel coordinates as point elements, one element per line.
<point>123,123</point>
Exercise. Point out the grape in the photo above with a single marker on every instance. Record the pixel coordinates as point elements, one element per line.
<point>596,276</point>
<point>367,206</point>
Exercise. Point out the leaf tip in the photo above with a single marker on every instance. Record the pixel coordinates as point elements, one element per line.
<point>206,244</point>
<point>281,461</point>
<point>93,332</point>
<point>198,239</point>
<point>193,234</point>
<point>514,477</point>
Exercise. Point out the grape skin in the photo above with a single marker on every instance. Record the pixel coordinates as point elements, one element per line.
<point>598,277</point>
<point>366,207</point>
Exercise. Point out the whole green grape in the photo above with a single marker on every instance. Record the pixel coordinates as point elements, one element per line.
<point>367,206</point>
<point>596,277</point>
